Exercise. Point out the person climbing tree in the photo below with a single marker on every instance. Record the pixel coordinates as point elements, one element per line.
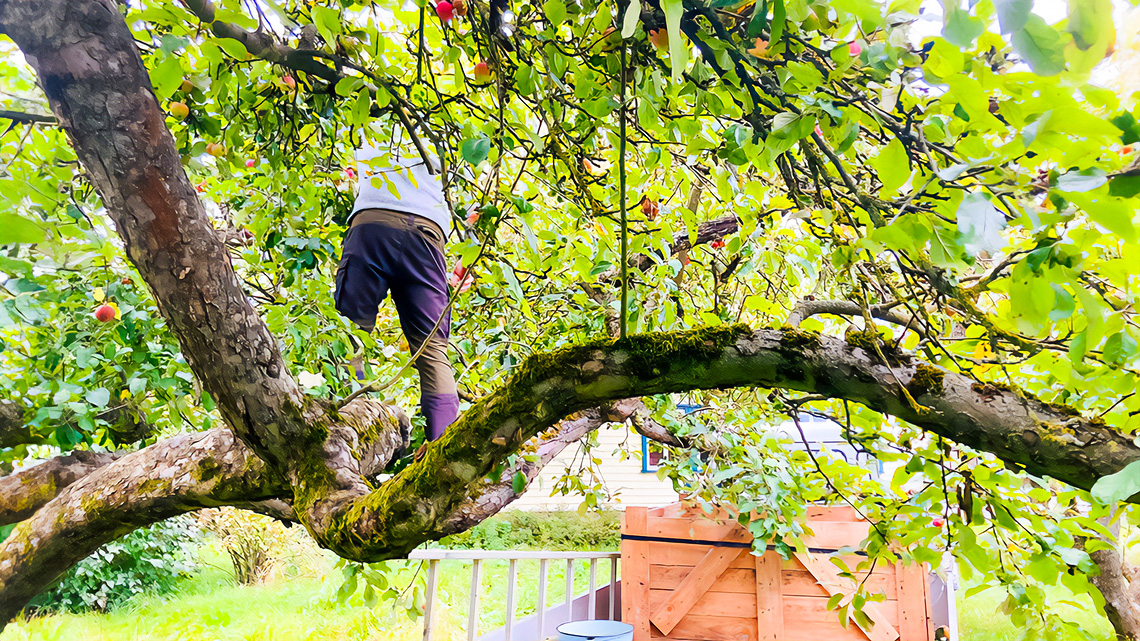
<point>395,243</point>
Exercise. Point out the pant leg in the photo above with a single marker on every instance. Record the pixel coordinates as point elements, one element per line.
<point>419,291</point>
<point>361,284</point>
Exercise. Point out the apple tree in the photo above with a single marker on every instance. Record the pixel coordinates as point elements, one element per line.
<point>916,221</point>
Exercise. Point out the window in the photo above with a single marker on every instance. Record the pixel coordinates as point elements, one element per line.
<point>651,454</point>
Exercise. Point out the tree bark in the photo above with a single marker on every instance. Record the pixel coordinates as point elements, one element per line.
<point>26,491</point>
<point>94,79</point>
<point>1121,590</point>
<point>174,476</point>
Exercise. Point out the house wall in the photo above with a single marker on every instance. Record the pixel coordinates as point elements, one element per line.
<point>624,479</point>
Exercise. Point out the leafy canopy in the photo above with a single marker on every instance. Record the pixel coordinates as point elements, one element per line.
<point>971,177</point>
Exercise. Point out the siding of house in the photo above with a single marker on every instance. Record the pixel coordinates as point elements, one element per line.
<point>627,484</point>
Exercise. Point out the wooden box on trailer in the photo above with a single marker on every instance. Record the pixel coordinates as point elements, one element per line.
<point>686,576</point>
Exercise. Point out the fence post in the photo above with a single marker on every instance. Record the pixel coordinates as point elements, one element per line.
<point>542,598</point>
<point>569,589</point>
<point>429,609</point>
<point>512,574</point>
<point>473,608</point>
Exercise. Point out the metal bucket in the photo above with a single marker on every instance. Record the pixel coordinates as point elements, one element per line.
<point>595,631</point>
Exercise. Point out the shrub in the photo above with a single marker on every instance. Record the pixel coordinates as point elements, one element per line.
<point>559,530</point>
<point>150,560</point>
<point>257,545</point>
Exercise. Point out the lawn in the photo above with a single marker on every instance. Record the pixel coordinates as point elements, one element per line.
<point>300,607</point>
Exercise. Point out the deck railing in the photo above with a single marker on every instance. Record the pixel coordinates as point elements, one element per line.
<point>544,558</point>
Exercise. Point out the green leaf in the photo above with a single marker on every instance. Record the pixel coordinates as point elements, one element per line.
<point>555,11</point>
<point>1119,348</point>
<point>1116,487</point>
<point>632,13</point>
<point>348,85</point>
<point>892,166</point>
<point>17,229</point>
<point>980,224</point>
<point>361,108</point>
<point>233,47</point>
<point>518,483</point>
<point>475,150</point>
<point>166,77</point>
<point>1090,22</point>
<point>962,29</point>
<point>678,52</point>
<point>99,397</point>
<point>779,17</point>
<point>1087,180</point>
<point>759,21</point>
<point>327,20</point>
<point>1041,46</point>
<point>1012,14</point>
<point>1124,186</point>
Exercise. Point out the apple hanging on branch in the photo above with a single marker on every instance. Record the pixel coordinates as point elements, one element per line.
<point>105,313</point>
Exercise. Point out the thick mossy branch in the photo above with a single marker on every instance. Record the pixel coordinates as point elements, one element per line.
<point>413,506</point>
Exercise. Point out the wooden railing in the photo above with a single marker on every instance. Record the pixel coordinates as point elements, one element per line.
<point>538,625</point>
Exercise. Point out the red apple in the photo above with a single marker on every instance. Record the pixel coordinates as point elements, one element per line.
<point>482,73</point>
<point>250,162</point>
<point>350,172</point>
<point>200,187</point>
<point>1126,149</point>
<point>717,244</point>
<point>855,48</point>
<point>216,149</point>
<point>126,281</point>
<point>472,218</point>
<point>179,110</point>
<point>938,522</point>
<point>105,313</point>
<point>444,10</point>
<point>460,278</point>
<point>818,131</point>
<point>289,82</point>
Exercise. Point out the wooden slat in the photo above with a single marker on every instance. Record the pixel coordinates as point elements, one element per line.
<point>803,631</point>
<point>668,577</point>
<point>795,581</point>
<point>688,555</point>
<point>832,535</point>
<point>697,528</point>
<point>812,608</point>
<point>828,576</point>
<point>693,587</point>
<point>635,574</point>
<point>831,513</point>
<point>724,604</point>
<point>913,603</point>
<point>706,628</point>
<point>769,601</point>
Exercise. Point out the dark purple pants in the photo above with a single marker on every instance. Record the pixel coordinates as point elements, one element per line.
<point>403,254</point>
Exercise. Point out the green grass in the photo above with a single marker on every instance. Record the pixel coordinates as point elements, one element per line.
<point>209,607</point>
<point>980,619</point>
<point>298,606</point>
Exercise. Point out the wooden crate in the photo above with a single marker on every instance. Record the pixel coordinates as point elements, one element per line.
<point>686,576</point>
